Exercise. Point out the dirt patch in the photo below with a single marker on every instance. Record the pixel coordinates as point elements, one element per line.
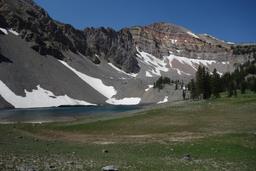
<point>112,139</point>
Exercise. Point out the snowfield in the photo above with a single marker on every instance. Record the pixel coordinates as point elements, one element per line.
<point>166,64</point>
<point>107,91</point>
<point>37,98</point>
<point>189,61</point>
<point>124,101</point>
<point>164,100</point>
<point>97,84</point>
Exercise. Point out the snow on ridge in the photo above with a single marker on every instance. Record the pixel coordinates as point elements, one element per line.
<point>119,70</point>
<point>165,64</point>
<point>96,83</point>
<point>231,43</point>
<point>189,61</point>
<point>124,101</point>
<point>228,42</point>
<point>164,100</point>
<point>156,64</point>
<point>4,30</point>
<point>14,32</point>
<point>37,98</point>
<point>149,87</point>
<point>192,34</point>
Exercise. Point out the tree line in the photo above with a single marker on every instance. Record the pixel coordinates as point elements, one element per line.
<point>162,81</point>
<point>207,84</point>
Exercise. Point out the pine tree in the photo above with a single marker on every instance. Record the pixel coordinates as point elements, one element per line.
<point>176,85</point>
<point>231,88</point>
<point>199,80</point>
<point>243,87</point>
<point>206,84</point>
<point>254,85</point>
<point>193,89</point>
<point>216,84</point>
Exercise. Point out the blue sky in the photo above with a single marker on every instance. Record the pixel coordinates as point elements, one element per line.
<point>230,20</point>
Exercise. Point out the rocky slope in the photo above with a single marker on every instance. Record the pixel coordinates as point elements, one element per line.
<point>44,60</point>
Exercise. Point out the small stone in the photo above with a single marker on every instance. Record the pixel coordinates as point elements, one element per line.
<point>52,167</point>
<point>71,163</point>
<point>109,168</point>
<point>79,166</point>
<point>187,157</point>
<point>104,151</point>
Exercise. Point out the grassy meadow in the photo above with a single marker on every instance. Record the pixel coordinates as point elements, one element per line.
<point>218,134</point>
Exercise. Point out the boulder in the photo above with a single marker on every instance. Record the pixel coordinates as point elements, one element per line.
<point>109,168</point>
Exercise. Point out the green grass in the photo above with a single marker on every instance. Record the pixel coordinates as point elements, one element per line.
<point>225,114</point>
<point>219,134</point>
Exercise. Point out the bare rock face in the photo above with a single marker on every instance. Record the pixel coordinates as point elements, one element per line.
<point>116,47</point>
<point>161,38</point>
<point>49,37</point>
<point>4,104</point>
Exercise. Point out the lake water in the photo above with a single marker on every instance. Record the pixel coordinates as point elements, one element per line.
<point>39,115</point>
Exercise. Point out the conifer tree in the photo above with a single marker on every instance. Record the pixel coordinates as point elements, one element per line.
<point>193,89</point>
<point>216,84</point>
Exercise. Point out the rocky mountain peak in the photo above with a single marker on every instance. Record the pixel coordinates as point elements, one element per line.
<point>49,37</point>
<point>166,28</point>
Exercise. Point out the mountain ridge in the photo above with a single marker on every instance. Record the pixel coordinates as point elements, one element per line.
<point>54,60</point>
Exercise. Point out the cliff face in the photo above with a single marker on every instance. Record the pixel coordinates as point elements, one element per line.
<point>161,38</point>
<point>49,37</point>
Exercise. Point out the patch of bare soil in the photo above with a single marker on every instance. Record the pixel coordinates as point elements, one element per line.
<point>111,139</point>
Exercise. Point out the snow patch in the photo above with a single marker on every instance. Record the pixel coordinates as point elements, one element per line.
<point>119,70</point>
<point>173,41</point>
<point>220,73</point>
<point>192,34</point>
<point>4,31</point>
<point>156,64</point>
<point>225,62</point>
<point>107,91</point>
<point>149,87</point>
<point>164,100</point>
<point>13,32</point>
<point>124,101</point>
<point>37,98</point>
<point>97,84</point>
<point>231,43</point>
<point>191,62</point>
<point>148,74</point>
